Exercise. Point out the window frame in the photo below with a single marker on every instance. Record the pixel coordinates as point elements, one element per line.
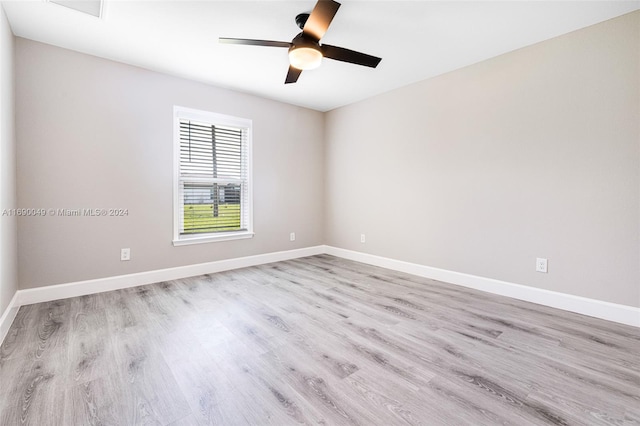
<point>247,207</point>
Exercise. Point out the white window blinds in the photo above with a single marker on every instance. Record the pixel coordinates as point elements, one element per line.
<point>213,181</point>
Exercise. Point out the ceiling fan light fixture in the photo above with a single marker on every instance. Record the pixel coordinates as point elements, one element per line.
<point>305,58</point>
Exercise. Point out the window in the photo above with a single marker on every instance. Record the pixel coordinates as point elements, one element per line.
<point>212,177</point>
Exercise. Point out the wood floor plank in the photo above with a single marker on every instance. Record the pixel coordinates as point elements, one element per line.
<point>316,387</point>
<point>94,403</point>
<point>32,398</point>
<point>149,391</point>
<point>210,394</point>
<point>89,352</point>
<point>317,340</point>
<point>15,342</point>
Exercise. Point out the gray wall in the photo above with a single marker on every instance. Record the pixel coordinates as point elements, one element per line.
<point>535,153</point>
<point>8,224</point>
<point>95,133</point>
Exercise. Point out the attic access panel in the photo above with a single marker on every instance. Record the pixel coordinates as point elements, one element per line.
<point>90,7</point>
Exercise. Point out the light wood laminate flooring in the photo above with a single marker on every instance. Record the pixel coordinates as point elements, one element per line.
<point>318,340</point>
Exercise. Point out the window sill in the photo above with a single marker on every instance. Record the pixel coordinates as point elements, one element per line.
<point>188,240</point>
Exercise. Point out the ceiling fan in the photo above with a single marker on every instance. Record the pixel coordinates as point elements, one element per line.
<point>305,50</point>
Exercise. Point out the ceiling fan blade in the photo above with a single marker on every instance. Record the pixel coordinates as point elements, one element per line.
<point>351,56</point>
<point>320,18</point>
<point>250,42</point>
<point>292,75</point>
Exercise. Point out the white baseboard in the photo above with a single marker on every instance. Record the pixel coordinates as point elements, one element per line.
<point>80,288</point>
<point>8,316</point>
<point>595,308</point>
<point>609,311</point>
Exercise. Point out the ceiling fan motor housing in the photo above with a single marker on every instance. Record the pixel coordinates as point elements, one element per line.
<point>301,19</point>
<point>301,41</point>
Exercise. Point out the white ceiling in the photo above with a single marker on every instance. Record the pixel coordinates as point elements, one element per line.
<point>416,39</point>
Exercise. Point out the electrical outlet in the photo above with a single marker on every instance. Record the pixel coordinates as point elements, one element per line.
<point>541,265</point>
<point>292,236</point>
<point>125,254</point>
<point>362,238</point>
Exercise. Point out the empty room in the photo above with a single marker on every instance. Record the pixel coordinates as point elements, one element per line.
<point>319,212</point>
